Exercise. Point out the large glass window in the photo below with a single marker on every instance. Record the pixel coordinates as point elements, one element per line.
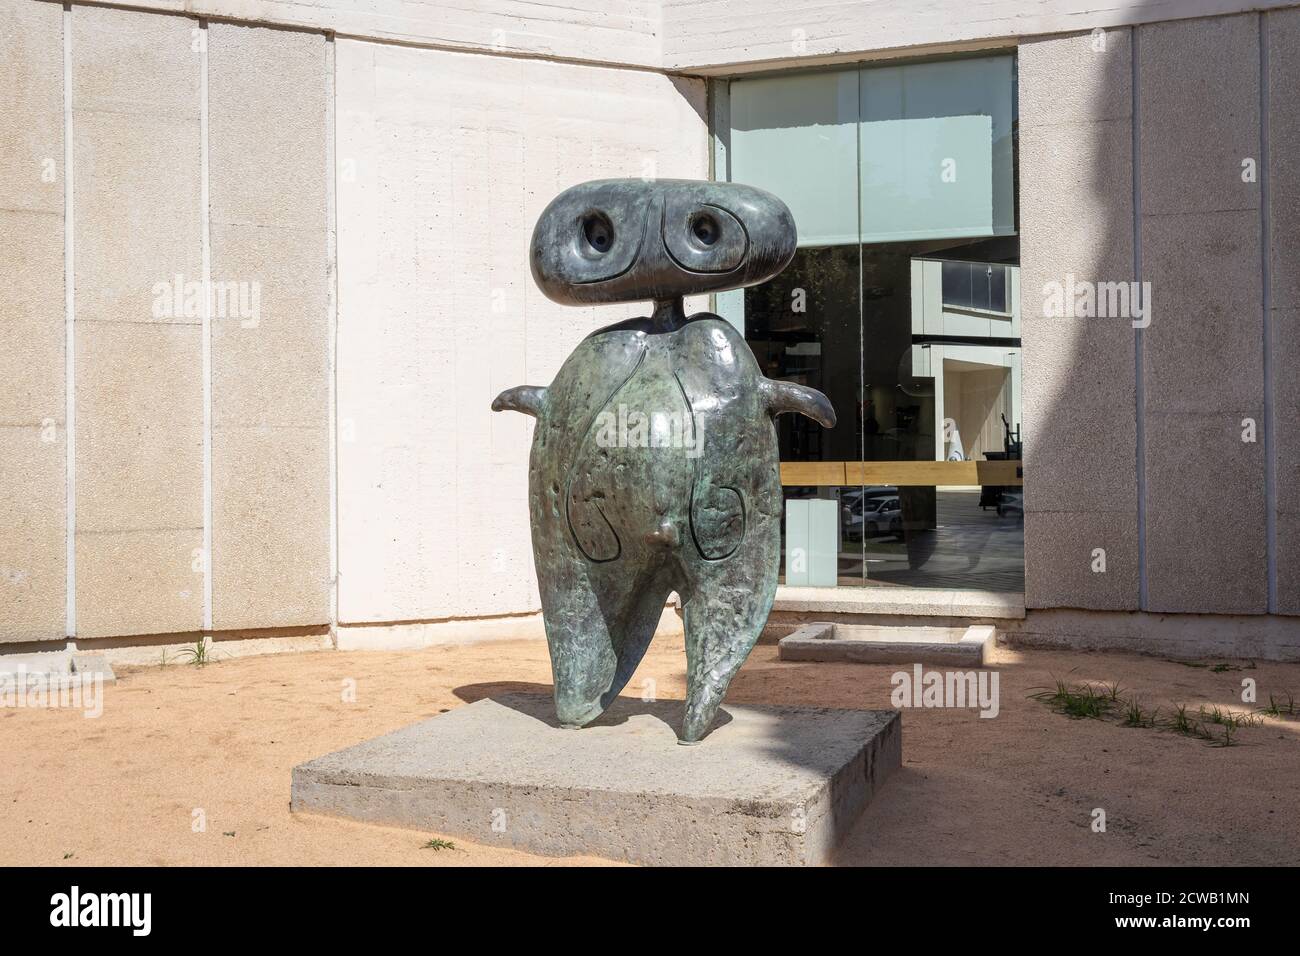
<point>902,305</point>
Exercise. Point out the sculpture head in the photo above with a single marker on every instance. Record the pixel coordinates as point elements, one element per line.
<point>626,240</point>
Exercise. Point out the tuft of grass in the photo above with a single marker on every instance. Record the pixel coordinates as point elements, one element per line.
<point>1107,701</point>
<point>200,655</point>
<point>1224,668</point>
<point>439,844</point>
<point>1076,701</point>
<point>1280,706</point>
<point>1135,715</point>
<point>1230,718</point>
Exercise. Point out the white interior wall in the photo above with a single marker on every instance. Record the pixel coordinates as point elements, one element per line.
<point>445,160</point>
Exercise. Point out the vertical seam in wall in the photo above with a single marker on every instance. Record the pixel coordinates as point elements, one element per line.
<point>862,320</point>
<point>1139,391</point>
<point>331,334</point>
<point>205,222</point>
<point>1266,300</point>
<point>69,346</point>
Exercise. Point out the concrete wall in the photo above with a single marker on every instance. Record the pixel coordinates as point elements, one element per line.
<point>268,109</point>
<point>1153,444</point>
<point>33,448</point>
<point>628,32</point>
<point>727,36</point>
<point>1281,53</point>
<point>137,188</point>
<point>446,160</point>
<point>210,470</point>
<point>202,475</point>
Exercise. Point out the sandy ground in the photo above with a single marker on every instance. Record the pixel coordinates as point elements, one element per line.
<point>1020,788</point>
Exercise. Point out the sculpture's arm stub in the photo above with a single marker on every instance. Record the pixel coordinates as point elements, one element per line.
<point>522,398</point>
<point>782,397</point>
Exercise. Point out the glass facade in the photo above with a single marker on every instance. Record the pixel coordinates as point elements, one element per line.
<point>901,305</point>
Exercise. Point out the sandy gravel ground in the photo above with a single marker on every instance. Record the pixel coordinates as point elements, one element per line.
<point>123,788</point>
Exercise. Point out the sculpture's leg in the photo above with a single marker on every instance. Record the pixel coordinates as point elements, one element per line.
<point>724,615</point>
<point>598,630</point>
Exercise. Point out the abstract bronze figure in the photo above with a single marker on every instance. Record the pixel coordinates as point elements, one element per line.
<point>654,463</point>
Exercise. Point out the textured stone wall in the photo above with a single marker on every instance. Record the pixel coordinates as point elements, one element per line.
<point>206,486</point>
<point>33,448</point>
<point>1154,444</point>
<point>446,160</point>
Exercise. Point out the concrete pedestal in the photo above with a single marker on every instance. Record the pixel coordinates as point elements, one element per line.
<point>769,785</point>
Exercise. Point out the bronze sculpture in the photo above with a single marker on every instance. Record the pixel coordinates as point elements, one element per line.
<point>654,463</point>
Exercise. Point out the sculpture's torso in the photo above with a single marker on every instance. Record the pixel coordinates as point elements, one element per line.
<point>653,448</point>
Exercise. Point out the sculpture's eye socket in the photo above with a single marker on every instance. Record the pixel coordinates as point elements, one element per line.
<point>700,236</point>
<point>597,232</point>
<point>705,229</point>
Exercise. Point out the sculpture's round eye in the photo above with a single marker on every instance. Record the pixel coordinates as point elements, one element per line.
<point>705,229</point>
<point>598,232</point>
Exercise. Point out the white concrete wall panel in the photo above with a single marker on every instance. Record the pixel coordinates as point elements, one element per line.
<point>1283,171</point>
<point>1076,220</point>
<point>444,162</point>
<point>595,30</point>
<point>267,132</point>
<point>139,401</point>
<point>703,34</point>
<point>32,438</point>
<point>1203,353</point>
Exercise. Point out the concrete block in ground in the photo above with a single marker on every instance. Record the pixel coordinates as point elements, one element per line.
<point>889,644</point>
<point>769,785</point>
<point>901,602</point>
<point>93,665</point>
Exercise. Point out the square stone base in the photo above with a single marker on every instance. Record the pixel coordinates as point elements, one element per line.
<point>769,785</point>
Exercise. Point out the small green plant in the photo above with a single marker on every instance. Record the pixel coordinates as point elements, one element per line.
<point>1224,668</point>
<point>1135,715</point>
<point>1279,706</point>
<point>164,660</point>
<point>1077,701</point>
<point>1229,718</point>
<point>200,655</point>
<point>1189,725</point>
<point>1106,701</point>
<point>439,844</point>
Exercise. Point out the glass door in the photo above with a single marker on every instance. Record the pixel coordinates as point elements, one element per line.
<point>901,304</point>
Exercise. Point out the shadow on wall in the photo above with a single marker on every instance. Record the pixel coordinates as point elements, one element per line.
<point>1112,494</point>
